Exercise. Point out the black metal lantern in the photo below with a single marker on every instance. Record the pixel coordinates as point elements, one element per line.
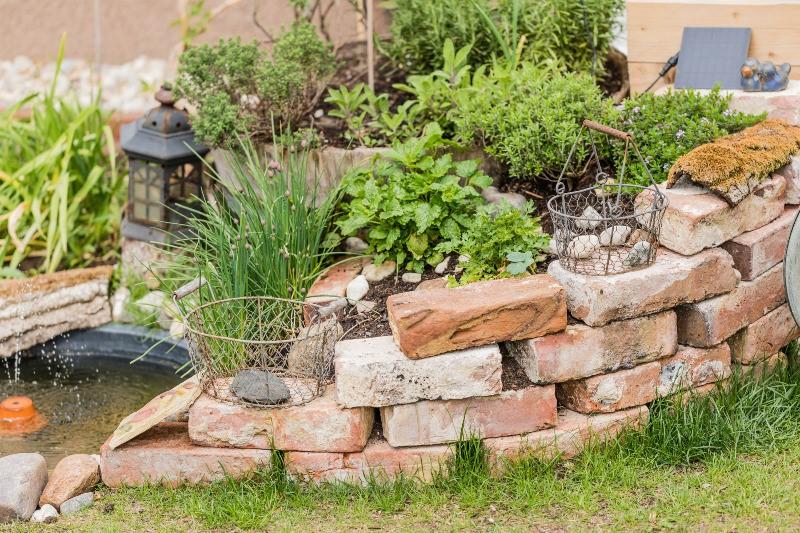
<point>165,169</point>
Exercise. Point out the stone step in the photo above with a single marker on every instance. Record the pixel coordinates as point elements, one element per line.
<point>317,426</point>
<point>435,321</point>
<point>764,337</point>
<point>375,373</point>
<point>707,323</point>
<point>672,280</point>
<point>755,252</point>
<point>582,351</point>
<point>165,455</point>
<point>697,219</point>
<point>443,421</point>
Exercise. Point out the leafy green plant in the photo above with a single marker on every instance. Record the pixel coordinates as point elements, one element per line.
<point>669,125</point>
<point>61,192</point>
<point>575,34</point>
<point>237,89</point>
<point>502,241</point>
<point>412,200</point>
<point>528,118</point>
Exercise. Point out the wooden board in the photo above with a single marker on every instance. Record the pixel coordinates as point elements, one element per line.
<point>655,28</point>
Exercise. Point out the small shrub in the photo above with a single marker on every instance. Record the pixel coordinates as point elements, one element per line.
<point>501,242</point>
<point>238,90</point>
<point>667,126</point>
<point>412,200</point>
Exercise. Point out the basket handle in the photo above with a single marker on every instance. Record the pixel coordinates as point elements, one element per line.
<point>608,130</point>
<point>185,290</point>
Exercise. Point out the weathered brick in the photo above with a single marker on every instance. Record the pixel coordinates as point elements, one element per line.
<point>583,351</point>
<point>317,426</point>
<point>320,467</point>
<point>707,323</point>
<point>435,321</point>
<point>165,455</point>
<point>758,369</point>
<point>672,280</point>
<point>696,218</point>
<point>691,368</point>
<point>374,372</point>
<point>380,459</point>
<point>764,337</point>
<point>441,421</point>
<point>332,283</point>
<point>611,392</point>
<point>755,252</point>
<point>792,174</point>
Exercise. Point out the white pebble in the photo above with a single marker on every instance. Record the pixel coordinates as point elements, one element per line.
<point>615,236</point>
<point>412,277</point>
<point>442,267</point>
<point>590,218</point>
<point>45,515</point>
<point>358,288</point>
<point>583,246</point>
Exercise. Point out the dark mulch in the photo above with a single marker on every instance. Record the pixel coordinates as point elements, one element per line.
<point>513,376</point>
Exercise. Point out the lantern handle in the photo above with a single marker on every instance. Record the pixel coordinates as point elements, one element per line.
<point>185,290</point>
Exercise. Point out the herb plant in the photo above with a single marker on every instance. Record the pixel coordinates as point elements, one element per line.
<point>413,201</point>
<point>669,125</point>
<point>238,89</point>
<point>501,242</point>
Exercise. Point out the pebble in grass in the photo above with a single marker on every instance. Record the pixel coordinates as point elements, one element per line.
<point>79,502</point>
<point>46,515</point>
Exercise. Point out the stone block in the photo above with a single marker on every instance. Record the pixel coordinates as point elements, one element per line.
<point>755,252</point>
<point>381,460</point>
<point>582,351</point>
<point>317,426</point>
<point>697,219</point>
<point>757,370</point>
<point>611,392</point>
<point>320,467</point>
<point>375,373</point>
<point>164,455</point>
<point>792,174</point>
<point>442,421</point>
<point>764,337</point>
<point>691,368</point>
<point>435,321</point>
<point>672,280</point>
<point>782,105</point>
<point>22,479</point>
<point>707,323</point>
<point>72,476</point>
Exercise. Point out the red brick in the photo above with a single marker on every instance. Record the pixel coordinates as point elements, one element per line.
<point>707,323</point>
<point>320,467</point>
<point>165,455</point>
<point>381,459</point>
<point>766,365</point>
<point>317,426</point>
<point>332,283</point>
<point>441,421</point>
<point>764,337</point>
<point>691,368</point>
<point>611,392</point>
<point>672,280</point>
<point>435,321</point>
<point>757,251</point>
<point>582,351</point>
<point>792,174</point>
<point>696,218</point>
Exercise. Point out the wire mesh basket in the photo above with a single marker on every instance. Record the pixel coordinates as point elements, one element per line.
<point>610,227</point>
<point>264,333</point>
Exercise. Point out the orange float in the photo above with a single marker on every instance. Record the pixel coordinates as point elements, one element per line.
<point>19,416</point>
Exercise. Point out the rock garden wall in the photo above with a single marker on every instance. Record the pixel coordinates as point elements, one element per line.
<point>538,364</point>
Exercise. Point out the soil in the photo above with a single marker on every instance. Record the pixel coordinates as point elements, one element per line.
<point>513,376</point>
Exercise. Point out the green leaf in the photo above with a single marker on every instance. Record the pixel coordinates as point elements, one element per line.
<point>480,180</point>
<point>518,257</point>
<point>466,168</point>
<point>417,244</point>
<point>424,215</point>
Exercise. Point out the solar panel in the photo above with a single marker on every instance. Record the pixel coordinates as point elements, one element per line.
<point>712,56</point>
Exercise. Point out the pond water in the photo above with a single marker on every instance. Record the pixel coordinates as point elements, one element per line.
<point>82,398</point>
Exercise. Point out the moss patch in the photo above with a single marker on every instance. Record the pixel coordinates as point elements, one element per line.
<point>732,166</point>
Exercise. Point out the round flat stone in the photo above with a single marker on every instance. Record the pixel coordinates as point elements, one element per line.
<point>258,386</point>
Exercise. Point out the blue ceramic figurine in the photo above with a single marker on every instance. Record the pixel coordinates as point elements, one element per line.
<point>764,77</point>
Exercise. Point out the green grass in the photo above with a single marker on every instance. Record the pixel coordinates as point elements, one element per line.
<point>729,460</point>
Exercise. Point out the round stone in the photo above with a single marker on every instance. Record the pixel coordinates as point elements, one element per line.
<point>258,386</point>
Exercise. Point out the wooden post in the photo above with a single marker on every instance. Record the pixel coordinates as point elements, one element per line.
<point>370,44</point>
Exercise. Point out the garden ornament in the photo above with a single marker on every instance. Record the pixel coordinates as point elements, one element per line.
<point>764,77</point>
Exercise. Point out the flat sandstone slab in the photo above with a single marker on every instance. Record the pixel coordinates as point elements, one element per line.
<point>764,337</point>
<point>435,321</point>
<point>697,219</point>
<point>164,455</point>
<point>757,251</point>
<point>317,426</point>
<point>375,373</point>
<point>707,323</point>
<point>442,421</point>
<point>672,280</point>
<point>582,351</point>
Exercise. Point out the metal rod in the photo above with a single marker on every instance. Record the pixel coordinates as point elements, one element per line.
<point>608,130</point>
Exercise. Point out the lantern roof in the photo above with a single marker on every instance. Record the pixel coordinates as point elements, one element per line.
<point>163,134</point>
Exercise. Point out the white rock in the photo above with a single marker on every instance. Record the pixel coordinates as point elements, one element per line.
<point>119,301</point>
<point>441,268</point>
<point>374,273</point>
<point>79,502</point>
<point>354,245</point>
<point>590,218</point>
<point>22,480</point>
<point>365,306</point>
<point>583,246</point>
<point>357,288</point>
<point>152,302</point>
<point>177,329</point>
<point>411,277</point>
<point>615,236</point>
<point>638,255</point>
<point>46,515</point>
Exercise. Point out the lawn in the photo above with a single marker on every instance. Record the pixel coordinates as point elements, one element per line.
<point>726,461</point>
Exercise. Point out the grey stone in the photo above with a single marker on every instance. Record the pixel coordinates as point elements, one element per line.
<point>78,503</point>
<point>355,245</point>
<point>258,386</point>
<point>442,267</point>
<point>312,353</point>
<point>22,480</point>
<point>358,288</point>
<point>46,515</point>
<point>412,277</point>
<point>492,195</point>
